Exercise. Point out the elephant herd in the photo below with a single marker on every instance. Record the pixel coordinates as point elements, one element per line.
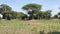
<point>25,17</point>
<point>6,16</point>
<point>30,17</point>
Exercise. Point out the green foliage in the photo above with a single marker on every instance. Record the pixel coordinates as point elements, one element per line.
<point>14,13</point>
<point>20,14</point>
<point>5,7</point>
<point>55,16</point>
<point>1,10</point>
<point>30,6</point>
<point>32,9</point>
<point>7,12</point>
<point>44,14</point>
<point>40,13</point>
<point>48,12</point>
<point>59,13</point>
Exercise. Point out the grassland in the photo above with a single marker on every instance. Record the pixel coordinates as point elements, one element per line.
<point>29,27</point>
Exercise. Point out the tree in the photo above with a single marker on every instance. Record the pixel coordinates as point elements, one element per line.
<point>40,14</point>
<point>59,15</point>
<point>5,7</point>
<point>1,10</point>
<point>55,16</point>
<point>32,9</point>
<point>48,14</point>
<point>20,14</point>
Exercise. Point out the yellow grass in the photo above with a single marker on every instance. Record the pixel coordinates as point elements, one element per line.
<point>29,27</point>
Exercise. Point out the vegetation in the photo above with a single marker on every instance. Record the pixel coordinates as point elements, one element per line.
<point>57,16</point>
<point>33,12</point>
<point>32,26</point>
<point>29,27</point>
<point>4,7</point>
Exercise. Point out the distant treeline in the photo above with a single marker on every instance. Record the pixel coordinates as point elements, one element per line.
<point>33,12</point>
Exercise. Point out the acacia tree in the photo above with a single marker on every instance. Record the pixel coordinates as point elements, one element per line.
<point>20,15</point>
<point>59,15</point>
<point>40,14</point>
<point>48,14</point>
<point>44,14</point>
<point>55,16</point>
<point>5,9</point>
<point>32,9</point>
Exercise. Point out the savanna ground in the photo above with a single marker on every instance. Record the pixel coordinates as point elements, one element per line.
<point>29,27</point>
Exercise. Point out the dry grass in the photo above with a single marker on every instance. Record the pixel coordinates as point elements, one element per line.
<point>28,27</point>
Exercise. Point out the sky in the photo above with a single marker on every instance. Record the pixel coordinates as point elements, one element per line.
<point>46,4</point>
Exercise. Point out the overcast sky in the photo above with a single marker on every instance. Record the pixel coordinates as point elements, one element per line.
<point>46,4</point>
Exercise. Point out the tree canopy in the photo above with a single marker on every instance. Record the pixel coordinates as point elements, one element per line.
<point>4,7</point>
<point>30,7</point>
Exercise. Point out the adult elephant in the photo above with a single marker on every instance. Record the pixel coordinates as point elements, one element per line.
<point>8,16</point>
<point>1,16</point>
<point>26,17</point>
